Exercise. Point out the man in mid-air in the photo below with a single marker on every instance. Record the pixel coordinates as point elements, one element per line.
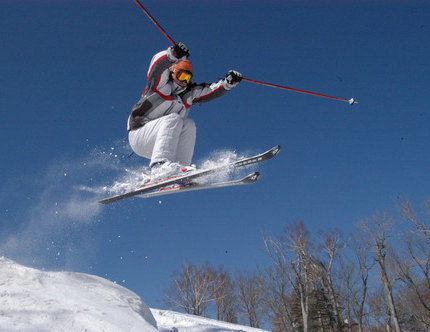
<point>159,127</point>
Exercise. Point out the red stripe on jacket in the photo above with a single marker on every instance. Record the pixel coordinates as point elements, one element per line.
<point>165,97</point>
<point>202,97</point>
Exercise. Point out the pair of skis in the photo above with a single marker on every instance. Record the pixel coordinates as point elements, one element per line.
<point>184,182</point>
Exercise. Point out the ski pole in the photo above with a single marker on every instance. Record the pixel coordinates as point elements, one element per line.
<point>155,22</point>
<point>350,101</point>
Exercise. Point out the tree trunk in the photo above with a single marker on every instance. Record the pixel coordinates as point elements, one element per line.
<point>304,306</point>
<point>381,261</point>
<point>334,303</point>
<point>360,326</point>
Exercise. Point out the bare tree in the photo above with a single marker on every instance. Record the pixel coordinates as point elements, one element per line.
<point>409,213</point>
<point>331,246</point>
<point>292,254</point>
<point>224,294</point>
<point>297,242</point>
<point>250,297</point>
<point>278,297</point>
<point>349,292</point>
<point>379,231</point>
<point>413,268</point>
<point>419,247</point>
<point>356,278</point>
<point>379,311</point>
<point>279,287</point>
<point>191,289</point>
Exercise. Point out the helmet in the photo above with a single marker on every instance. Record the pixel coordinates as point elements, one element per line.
<point>183,71</point>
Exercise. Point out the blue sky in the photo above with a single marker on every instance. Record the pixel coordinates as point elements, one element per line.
<point>71,70</point>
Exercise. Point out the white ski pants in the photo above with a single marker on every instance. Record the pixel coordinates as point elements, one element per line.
<point>169,138</point>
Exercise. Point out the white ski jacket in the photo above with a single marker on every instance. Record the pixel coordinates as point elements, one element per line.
<point>161,95</point>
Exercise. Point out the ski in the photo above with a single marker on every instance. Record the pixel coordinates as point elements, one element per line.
<point>269,154</point>
<point>192,186</point>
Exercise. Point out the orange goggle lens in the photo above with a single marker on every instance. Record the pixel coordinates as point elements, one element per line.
<point>184,76</point>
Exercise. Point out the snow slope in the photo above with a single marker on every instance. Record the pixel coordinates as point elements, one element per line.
<point>168,321</point>
<point>34,300</point>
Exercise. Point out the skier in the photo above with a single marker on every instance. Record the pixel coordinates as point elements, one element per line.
<point>159,127</point>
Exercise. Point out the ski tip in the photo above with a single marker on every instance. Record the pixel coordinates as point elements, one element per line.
<point>106,201</point>
<point>112,199</point>
<point>275,150</point>
<point>251,178</point>
<point>255,176</point>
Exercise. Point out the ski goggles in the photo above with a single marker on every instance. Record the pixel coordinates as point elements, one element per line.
<point>184,76</point>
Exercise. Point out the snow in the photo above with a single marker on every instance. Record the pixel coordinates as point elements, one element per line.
<point>131,178</point>
<point>169,320</point>
<point>34,300</point>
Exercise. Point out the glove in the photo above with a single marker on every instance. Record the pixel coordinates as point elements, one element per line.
<point>181,51</point>
<point>233,77</point>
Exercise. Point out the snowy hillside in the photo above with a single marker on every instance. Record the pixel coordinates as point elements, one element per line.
<point>34,300</point>
<point>170,321</point>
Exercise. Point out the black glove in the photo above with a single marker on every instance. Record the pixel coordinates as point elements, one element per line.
<point>180,50</point>
<point>233,77</point>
